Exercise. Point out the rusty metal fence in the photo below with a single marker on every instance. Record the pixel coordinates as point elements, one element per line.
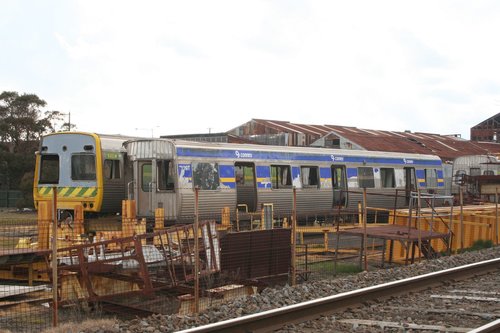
<point>55,270</point>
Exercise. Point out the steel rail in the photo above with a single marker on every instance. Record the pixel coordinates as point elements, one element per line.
<point>297,313</point>
<point>492,327</point>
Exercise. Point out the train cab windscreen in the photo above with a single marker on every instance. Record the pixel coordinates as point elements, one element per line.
<point>49,169</point>
<point>83,167</point>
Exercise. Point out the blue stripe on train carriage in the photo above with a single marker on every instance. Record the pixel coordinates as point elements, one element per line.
<point>421,178</point>
<point>325,177</point>
<point>352,172</point>
<point>226,176</point>
<point>352,177</point>
<point>273,156</point>
<point>440,178</point>
<point>296,177</point>
<point>263,176</point>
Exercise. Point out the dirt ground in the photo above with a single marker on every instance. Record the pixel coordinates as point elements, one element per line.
<point>12,213</point>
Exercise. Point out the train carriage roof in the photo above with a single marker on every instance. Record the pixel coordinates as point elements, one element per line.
<point>109,142</point>
<point>168,148</point>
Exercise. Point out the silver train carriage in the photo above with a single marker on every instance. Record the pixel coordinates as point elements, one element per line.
<point>99,171</point>
<point>242,176</point>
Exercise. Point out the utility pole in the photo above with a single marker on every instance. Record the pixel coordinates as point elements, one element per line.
<point>145,129</point>
<point>68,124</point>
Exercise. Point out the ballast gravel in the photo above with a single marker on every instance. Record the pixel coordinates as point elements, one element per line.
<point>271,298</point>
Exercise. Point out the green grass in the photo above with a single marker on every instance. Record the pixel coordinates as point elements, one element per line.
<point>480,244</point>
<point>329,267</point>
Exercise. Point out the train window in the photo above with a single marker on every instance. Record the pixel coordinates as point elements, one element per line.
<point>338,177</point>
<point>281,176</point>
<point>239,173</point>
<point>244,175</point>
<point>49,169</point>
<point>475,171</point>
<point>488,173</point>
<point>430,177</point>
<point>309,176</point>
<point>166,175</point>
<point>111,169</point>
<point>387,177</point>
<point>146,177</point>
<point>206,175</point>
<point>365,177</point>
<point>83,167</point>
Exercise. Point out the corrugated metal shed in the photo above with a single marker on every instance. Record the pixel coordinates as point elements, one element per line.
<point>487,130</point>
<point>209,137</point>
<point>447,147</point>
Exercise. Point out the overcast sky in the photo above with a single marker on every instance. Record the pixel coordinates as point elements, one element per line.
<point>165,67</point>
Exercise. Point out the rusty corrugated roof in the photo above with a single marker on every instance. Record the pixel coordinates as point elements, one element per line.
<point>445,146</point>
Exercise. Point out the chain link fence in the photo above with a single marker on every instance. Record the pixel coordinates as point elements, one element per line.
<point>9,199</point>
<point>70,268</point>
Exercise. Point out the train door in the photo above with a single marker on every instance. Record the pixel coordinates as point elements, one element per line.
<point>411,183</point>
<point>339,184</point>
<point>246,191</point>
<point>145,186</point>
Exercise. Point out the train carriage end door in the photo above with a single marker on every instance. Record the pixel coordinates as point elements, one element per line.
<point>339,185</point>
<point>246,191</point>
<point>166,197</point>
<point>145,186</point>
<point>411,183</point>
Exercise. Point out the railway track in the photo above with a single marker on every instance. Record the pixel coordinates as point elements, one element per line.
<point>467,291</point>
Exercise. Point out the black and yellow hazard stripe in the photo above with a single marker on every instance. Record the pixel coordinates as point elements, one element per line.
<point>70,192</point>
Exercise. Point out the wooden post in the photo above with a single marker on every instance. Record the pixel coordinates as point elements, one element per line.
<point>419,224</point>
<point>78,220</point>
<point>54,258</point>
<point>159,218</point>
<point>237,219</point>
<point>360,213</point>
<point>226,217</point>
<point>325,240</point>
<point>294,237</point>
<point>496,216</point>
<point>44,220</point>
<point>128,218</point>
<point>461,218</point>
<point>365,231</point>
<point>196,253</point>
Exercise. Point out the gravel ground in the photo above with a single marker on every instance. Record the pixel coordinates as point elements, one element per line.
<point>271,298</point>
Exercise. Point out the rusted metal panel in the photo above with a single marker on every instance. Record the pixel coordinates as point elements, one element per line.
<point>256,254</point>
<point>136,267</point>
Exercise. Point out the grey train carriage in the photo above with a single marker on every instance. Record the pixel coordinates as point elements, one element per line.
<point>242,176</point>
